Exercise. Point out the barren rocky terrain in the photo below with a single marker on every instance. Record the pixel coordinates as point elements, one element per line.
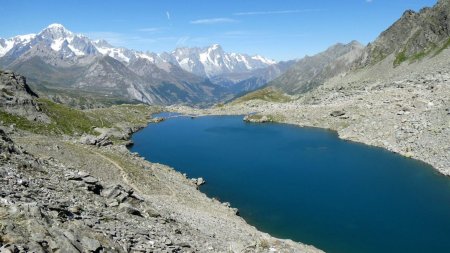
<point>71,188</point>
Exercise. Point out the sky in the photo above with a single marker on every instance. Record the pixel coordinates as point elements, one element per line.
<point>278,29</point>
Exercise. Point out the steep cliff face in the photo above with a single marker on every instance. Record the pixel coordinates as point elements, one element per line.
<point>17,98</point>
<point>413,36</point>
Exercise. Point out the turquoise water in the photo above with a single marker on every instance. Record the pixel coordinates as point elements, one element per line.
<point>308,185</point>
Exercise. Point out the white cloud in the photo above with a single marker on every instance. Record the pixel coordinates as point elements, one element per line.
<point>275,12</point>
<point>211,21</point>
<point>168,15</point>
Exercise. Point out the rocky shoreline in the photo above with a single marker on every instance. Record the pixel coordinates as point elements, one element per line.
<point>61,194</point>
<point>405,113</point>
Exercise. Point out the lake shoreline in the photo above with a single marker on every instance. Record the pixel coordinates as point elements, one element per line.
<point>334,131</point>
<point>417,141</point>
<point>159,133</point>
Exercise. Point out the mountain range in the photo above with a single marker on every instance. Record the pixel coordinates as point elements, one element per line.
<point>59,58</point>
<point>412,38</point>
<point>310,72</point>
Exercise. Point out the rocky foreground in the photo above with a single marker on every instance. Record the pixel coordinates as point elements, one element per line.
<point>73,186</point>
<point>58,195</point>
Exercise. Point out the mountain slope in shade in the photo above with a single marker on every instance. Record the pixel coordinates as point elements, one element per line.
<point>260,77</point>
<point>310,72</point>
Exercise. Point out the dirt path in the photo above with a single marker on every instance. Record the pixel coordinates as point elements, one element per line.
<point>125,176</point>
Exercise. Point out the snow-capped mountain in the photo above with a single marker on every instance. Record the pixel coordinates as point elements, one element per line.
<point>58,56</point>
<point>55,36</point>
<point>213,61</point>
<point>208,62</point>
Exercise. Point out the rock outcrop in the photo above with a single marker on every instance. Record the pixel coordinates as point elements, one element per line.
<point>17,98</point>
<point>413,36</point>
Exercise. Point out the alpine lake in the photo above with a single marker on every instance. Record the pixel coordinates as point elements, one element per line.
<point>308,185</point>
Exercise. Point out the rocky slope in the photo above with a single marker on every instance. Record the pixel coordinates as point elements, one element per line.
<point>82,192</point>
<point>17,98</point>
<point>311,72</point>
<point>413,36</point>
<point>247,82</point>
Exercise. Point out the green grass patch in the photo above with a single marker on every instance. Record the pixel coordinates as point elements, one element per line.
<point>22,123</point>
<point>266,94</point>
<point>400,58</point>
<point>418,56</point>
<point>377,56</point>
<point>134,114</point>
<point>66,120</point>
<point>443,47</point>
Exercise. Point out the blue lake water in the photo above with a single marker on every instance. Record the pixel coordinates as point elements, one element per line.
<point>307,185</point>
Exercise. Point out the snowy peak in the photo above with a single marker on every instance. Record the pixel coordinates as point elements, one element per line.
<point>206,62</point>
<point>24,38</point>
<point>213,61</point>
<point>56,31</point>
<point>263,59</point>
<point>56,26</point>
<point>66,42</point>
<point>102,43</point>
<point>215,48</point>
<point>16,43</point>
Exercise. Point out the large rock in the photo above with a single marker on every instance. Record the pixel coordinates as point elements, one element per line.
<point>198,181</point>
<point>102,140</point>
<point>337,113</point>
<point>17,98</point>
<point>90,245</point>
<point>129,209</point>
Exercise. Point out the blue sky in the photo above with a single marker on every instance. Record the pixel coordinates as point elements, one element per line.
<point>277,29</point>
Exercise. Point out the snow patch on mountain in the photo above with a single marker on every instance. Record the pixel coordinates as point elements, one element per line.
<point>5,46</point>
<point>213,61</point>
<point>57,44</point>
<point>207,62</point>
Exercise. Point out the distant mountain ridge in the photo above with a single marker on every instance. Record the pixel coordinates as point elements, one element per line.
<point>312,71</point>
<point>414,36</point>
<point>208,61</point>
<point>59,57</point>
<point>213,61</point>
